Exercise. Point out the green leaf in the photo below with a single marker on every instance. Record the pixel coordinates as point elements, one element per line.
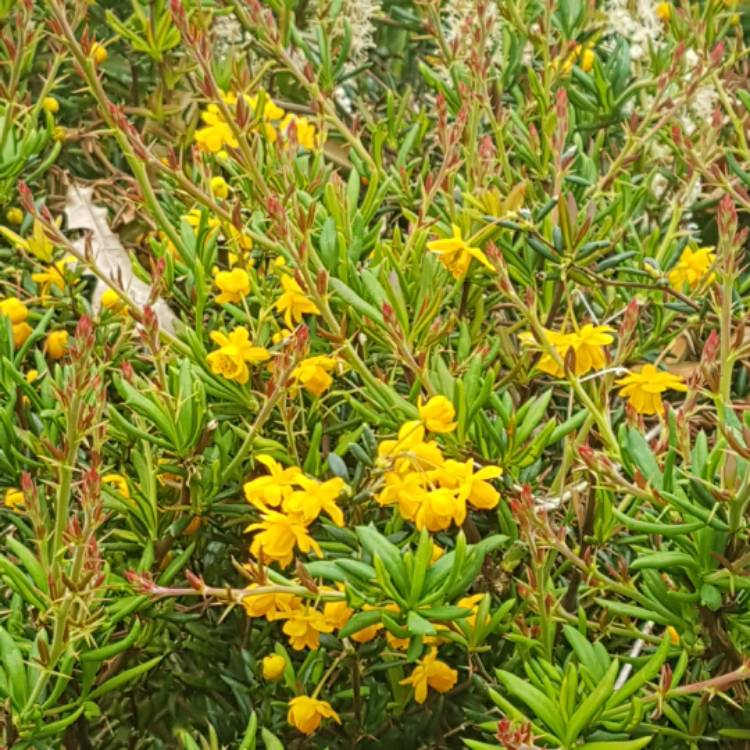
<point>536,700</point>
<point>586,712</point>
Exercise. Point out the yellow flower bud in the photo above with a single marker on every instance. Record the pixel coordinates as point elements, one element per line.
<point>32,375</point>
<point>56,344</point>
<point>664,11</point>
<point>674,636</point>
<point>58,133</point>
<point>111,300</point>
<point>273,667</point>
<point>14,215</point>
<point>98,53</point>
<point>13,498</point>
<point>219,187</point>
<point>51,105</point>
<point>587,60</point>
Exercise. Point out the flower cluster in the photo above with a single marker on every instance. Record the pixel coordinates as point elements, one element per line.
<point>430,490</point>
<point>272,121</point>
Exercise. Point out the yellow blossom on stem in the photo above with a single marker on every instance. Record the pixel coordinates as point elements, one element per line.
<point>51,105</point>
<point>587,344</point>
<point>305,714</point>
<point>13,498</point>
<point>278,536</point>
<point>219,187</point>
<point>56,344</point>
<point>315,498</point>
<point>216,134</point>
<point>54,275</point>
<point>293,304</point>
<point>304,131</point>
<point>692,267</point>
<point>273,605</point>
<point>14,215</point>
<point>472,486</point>
<point>273,667</point>
<point>234,285</point>
<point>274,488</point>
<point>643,389</point>
<point>111,300</point>
<point>410,450</point>
<point>119,482</point>
<point>304,626</point>
<point>98,53</point>
<point>456,254</point>
<point>234,352</point>
<point>664,11</point>
<point>430,672</point>
<point>588,56</point>
<point>439,508</point>
<point>313,374</point>
<point>438,414</point>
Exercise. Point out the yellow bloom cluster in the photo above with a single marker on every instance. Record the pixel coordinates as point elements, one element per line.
<point>289,502</point>
<point>587,343</point>
<point>430,490</point>
<point>217,134</point>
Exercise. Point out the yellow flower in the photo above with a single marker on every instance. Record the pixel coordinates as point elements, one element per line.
<point>273,667</point>
<point>692,267</point>
<point>278,536</point>
<point>643,389</point>
<point>219,187</point>
<point>217,134</point>
<point>194,215</point>
<point>119,482</point>
<point>304,626</point>
<point>304,131</point>
<point>234,285</point>
<point>274,605</point>
<point>337,614</point>
<point>111,300</point>
<point>439,508</point>
<point>433,673</point>
<point>410,451</point>
<point>234,352</point>
<point>54,275</point>
<point>664,12</point>
<point>587,343</point>
<point>472,486</point>
<point>313,374</point>
<point>32,375</point>
<point>14,215</point>
<point>306,713</point>
<point>56,344</point>
<point>437,553</point>
<point>37,244</point>
<point>13,308</point>
<point>21,332</point>
<point>51,105</point>
<point>438,414</point>
<point>59,133</point>
<point>263,106</point>
<point>98,53</point>
<point>471,603</point>
<point>293,303</point>
<point>13,498</point>
<point>273,488</point>
<point>588,56</point>
<point>456,254</point>
<point>314,498</point>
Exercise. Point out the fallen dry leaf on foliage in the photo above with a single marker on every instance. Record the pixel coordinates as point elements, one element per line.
<point>108,254</point>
